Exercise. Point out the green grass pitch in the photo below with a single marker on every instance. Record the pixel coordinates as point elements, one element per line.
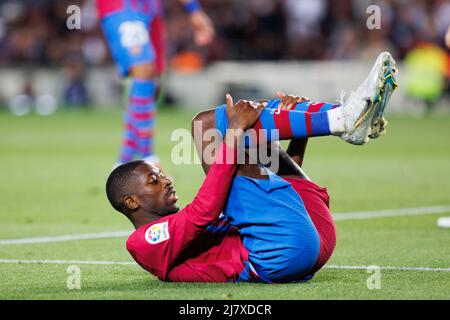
<point>53,172</point>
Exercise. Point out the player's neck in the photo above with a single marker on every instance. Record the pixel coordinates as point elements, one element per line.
<point>140,219</point>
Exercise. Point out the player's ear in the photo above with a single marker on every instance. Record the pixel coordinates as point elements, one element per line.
<point>131,202</point>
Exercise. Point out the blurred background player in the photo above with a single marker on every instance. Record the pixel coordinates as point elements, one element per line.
<point>134,30</point>
<point>447,38</point>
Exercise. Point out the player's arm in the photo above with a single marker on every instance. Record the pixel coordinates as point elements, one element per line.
<point>209,202</point>
<point>202,26</point>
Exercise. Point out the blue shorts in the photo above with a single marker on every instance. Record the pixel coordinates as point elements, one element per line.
<point>128,37</point>
<point>276,229</point>
<point>281,239</point>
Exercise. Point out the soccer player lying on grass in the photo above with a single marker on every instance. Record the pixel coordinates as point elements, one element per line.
<point>274,227</point>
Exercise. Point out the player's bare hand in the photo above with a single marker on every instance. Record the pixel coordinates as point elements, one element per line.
<point>203,28</point>
<point>288,102</point>
<point>243,114</point>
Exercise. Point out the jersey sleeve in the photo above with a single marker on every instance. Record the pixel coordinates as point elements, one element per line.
<point>210,199</point>
<point>159,246</point>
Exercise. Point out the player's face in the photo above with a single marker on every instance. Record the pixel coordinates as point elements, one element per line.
<point>154,190</point>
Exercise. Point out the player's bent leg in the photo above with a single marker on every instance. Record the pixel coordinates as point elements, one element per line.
<point>204,121</point>
<point>314,197</point>
<point>317,203</point>
<point>356,121</point>
<point>283,125</point>
<point>283,242</point>
<point>270,127</point>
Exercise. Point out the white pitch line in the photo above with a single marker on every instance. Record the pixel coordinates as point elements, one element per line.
<point>69,237</point>
<point>390,213</point>
<point>337,217</point>
<point>67,262</point>
<point>130,263</point>
<point>386,268</point>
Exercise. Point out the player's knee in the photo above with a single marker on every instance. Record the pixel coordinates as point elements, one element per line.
<point>145,71</point>
<point>202,121</point>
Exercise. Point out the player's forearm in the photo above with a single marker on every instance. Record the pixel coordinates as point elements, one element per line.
<point>210,200</point>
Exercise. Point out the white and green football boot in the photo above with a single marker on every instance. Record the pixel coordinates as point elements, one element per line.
<point>364,109</point>
<point>379,123</point>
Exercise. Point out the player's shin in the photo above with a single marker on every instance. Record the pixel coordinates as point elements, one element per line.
<point>129,146</point>
<point>275,124</point>
<point>143,107</point>
<point>305,105</point>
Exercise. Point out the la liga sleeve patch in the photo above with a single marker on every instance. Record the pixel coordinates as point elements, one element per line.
<point>157,233</point>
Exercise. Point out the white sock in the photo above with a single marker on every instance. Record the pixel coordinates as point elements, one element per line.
<point>336,121</point>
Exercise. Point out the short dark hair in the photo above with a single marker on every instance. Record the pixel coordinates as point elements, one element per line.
<point>117,185</point>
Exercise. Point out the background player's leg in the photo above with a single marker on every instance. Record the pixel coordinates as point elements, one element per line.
<point>127,34</point>
<point>142,106</point>
<point>129,146</point>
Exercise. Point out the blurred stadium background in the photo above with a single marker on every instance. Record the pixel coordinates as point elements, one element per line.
<point>54,168</point>
<point>302,46</point>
